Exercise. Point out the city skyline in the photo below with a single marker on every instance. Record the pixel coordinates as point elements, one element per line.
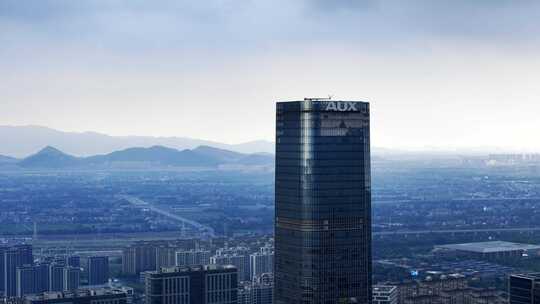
<point>269,152</point>
<point>454,73</point>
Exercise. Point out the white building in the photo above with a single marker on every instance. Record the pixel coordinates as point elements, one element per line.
<point>385,294</point>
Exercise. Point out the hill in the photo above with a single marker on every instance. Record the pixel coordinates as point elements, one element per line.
<point>49,157</point>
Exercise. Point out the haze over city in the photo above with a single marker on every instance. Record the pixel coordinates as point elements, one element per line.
<point>439,74</point>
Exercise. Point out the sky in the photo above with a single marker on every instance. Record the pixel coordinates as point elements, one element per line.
<point>443,74</point>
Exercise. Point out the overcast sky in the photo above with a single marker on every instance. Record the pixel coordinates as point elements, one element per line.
<point>450,74</point>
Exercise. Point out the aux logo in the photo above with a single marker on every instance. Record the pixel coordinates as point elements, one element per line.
<point>341,106</point>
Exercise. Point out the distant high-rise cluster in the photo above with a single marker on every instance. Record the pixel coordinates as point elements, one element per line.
<point>192,257</point>
<point>152,255</point>
<point>239,257</point>
<point>21,275</point>
<point>250,266</point>
<point>13,258</point>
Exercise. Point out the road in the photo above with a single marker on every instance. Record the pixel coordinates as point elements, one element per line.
<point>209,231</point>
<point>450,231</point>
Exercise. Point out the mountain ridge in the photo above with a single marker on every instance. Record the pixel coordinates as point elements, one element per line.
<point>22,141</point>
<point>140,157</point>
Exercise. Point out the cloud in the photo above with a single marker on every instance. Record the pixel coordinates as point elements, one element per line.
<point>256,22</point>
<point>136,66</point>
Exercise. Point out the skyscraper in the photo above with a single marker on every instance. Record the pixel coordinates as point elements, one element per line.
<point>323,202</point>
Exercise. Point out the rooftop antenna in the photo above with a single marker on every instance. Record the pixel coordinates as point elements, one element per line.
<point>318,98</point>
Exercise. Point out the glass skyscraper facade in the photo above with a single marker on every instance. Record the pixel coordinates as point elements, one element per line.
<point>524,288</point>
<point>323,202</point>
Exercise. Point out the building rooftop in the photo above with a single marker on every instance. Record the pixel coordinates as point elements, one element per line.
<point>490,247</point>
<point>384,288</point>
<point>193,268</point>
<point>83,292</point>
<point>532,276</point>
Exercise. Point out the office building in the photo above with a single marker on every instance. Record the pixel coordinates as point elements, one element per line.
<point>15,257</point>
<point>98,270</point>
<point>524,288</point>
<point>188,285</point>
<point>385,294</point>
<point>82,296</point>
<point>323,202</point>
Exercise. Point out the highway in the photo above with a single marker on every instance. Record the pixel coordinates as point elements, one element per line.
<point>209,231</point>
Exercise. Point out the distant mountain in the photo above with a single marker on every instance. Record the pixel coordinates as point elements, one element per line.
<point>152,157</point>
<point>21,141</point>
<point>7,159</point>
<point>221,154</point>
<point>156,155</point>
<point>49,157</point>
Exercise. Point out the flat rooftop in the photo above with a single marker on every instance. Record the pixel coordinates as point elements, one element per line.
<point>79,293</point>
<point>490,247</point>
<point>531,276</point>
<point>384,288</point>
